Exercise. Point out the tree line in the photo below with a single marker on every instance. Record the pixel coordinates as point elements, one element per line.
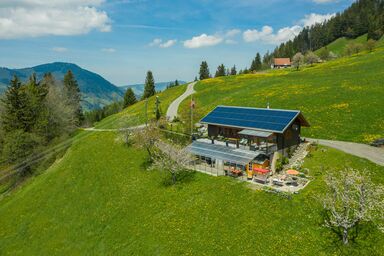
<point>362,17</point>
<point>35,114</point>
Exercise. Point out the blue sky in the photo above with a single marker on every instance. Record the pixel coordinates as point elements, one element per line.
<point>122,39</point>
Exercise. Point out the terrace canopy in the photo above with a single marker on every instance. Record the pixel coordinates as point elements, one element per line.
<point>220,152</point>
<point>255,133</point>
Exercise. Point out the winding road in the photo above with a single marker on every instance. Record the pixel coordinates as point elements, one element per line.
<point>373,154</point>
<point>172,109</point>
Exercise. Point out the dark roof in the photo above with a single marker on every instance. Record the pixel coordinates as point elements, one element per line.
<point>215,151</point>
<point>261,119</point>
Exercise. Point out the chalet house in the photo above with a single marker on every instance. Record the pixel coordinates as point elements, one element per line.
<point>281,63</point>
<point>243,139</point>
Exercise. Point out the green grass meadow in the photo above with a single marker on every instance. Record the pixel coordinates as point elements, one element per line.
<point>135,114</point>
<point>338,46</point>
<point>99,199</point>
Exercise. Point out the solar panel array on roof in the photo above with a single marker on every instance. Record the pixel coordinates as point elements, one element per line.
<point>222,152</point>
<point>253,118</point>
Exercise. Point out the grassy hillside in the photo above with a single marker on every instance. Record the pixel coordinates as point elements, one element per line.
<point>135,115</point>
<point>342,99</point>
<point>338,46</point>
<point>99,200</point>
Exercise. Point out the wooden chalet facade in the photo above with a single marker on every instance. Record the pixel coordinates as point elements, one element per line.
<point>246,139</point>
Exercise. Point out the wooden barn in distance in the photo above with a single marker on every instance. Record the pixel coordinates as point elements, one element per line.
<point>281,63</point>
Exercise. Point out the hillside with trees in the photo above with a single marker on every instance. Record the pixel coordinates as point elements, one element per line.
<point>96,91</point>
<point>362,17</point>
<point>34,116</point>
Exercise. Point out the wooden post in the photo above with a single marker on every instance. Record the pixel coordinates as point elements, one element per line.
<point>146,112</point>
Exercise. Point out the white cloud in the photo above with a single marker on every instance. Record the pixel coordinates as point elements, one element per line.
<point>203,40</point>
<point>159,42</point>
<point>324,1</point>
<point>33,18</point>
<point>168,44</point>
<point>267,35</point>
<point>313,18</point>
<point>59,49</point>
<point>109,50</point>
<point>232,32</point>
<point>155,42</point>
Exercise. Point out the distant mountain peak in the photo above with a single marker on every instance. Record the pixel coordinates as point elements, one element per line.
<point>96,91</point>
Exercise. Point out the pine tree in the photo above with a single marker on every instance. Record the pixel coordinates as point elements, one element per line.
<point>220,71</point>
<point>256,63</point>
<point>15,107</point>
<point>149,88</point>
<point>233,71</point>
<point>129,98</point>
<point>36,117</point>
<point>204,71</point>
<point>72,92</point>
<point>176,83</point>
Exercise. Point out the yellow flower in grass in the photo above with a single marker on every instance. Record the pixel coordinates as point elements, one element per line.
<point>367,138</point>
<point>342,105</point>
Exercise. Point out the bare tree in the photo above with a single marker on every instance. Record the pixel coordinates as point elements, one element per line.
<point>146,138</point>
<point>126,136</point>
<point>61,116</point>
<point>298,60</point>
<point>171,158</point>
<point>370,45</point>
<point>352,198</point>
<point>311,58</point>
<point>353,48</point>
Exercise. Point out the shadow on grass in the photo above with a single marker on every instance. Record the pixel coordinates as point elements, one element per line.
<point>361,240</point>
<point>181,178</point>
<point>146,164</point>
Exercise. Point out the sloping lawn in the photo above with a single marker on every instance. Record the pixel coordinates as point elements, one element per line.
<point>338,46</point>
<point>341,99</point>
<point>99,200</point>
<point>135,114</point>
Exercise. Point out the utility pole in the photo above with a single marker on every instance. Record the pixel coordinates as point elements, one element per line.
<point>157,110</point>
<point>192,106</point>
<point>146,112</point>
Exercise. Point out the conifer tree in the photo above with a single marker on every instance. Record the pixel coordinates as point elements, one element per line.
<point>233,70</point>
<point>149,88</point>
<point>220,71</point>
<point>204,71</point>
<point>36,118</point>
<point>256,63</point>
<point>129,98</point>
<point>72,91</point>
<point>176,83</point>
<point>15,107</point>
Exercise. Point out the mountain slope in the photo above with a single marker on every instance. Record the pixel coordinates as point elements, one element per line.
<point>96,90</point>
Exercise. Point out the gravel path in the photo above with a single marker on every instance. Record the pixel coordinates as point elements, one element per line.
<point>373,154</point>
<point>172,109</point>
